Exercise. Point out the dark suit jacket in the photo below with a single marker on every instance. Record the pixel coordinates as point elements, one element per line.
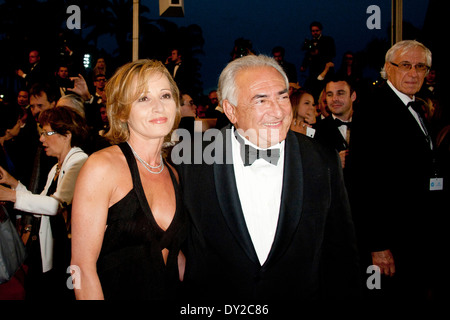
<point>181,76</point>
<point>34,74</point>
<point>392,166</point>
<point>313,255</point>
<point>328,133</point>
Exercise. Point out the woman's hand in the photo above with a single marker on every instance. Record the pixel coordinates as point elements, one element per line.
<point>7,194</point>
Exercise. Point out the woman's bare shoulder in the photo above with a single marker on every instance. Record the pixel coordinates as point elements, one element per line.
<point>107,156</point>
<point>105,161</point>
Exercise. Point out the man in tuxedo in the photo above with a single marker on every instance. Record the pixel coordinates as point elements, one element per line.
<point>177,69</point>
<point>270,217</point>
<point>396,180</point>
<point>335,129</point>
<point>34,72</point>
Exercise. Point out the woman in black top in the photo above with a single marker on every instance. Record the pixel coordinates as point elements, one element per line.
<point>128,224</point>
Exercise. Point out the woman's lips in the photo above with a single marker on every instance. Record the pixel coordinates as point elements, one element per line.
<point>160,120</point>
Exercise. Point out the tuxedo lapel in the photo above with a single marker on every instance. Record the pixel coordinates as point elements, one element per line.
<point>406,121</point>
<point>332,135</point>
<point>291,198</point>
<point>228,197</point>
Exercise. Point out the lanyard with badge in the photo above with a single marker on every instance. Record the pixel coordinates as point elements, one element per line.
<point>436,183</point>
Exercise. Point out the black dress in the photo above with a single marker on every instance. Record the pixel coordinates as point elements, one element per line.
<point>130,264</point>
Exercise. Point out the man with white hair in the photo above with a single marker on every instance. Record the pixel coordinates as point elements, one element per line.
<point>396,178</point>
<point>272,220</point>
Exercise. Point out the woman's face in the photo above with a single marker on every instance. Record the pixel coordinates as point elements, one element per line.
<point>152,115</point>
<point>54,143</point>
<point>306,108</point>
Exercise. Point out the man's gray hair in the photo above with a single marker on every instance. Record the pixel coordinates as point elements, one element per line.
<point>227,89</point>
<point>400,48</point>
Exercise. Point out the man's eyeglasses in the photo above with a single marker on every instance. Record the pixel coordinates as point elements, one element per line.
<point>406,66</point>
<point>48,133</point>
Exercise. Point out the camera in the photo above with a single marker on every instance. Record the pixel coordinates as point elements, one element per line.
<point>242,47</point>
<point>309,44</point>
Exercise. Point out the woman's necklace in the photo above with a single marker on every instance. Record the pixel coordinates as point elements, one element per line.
<point>58,169</point>
<point>146,165</point>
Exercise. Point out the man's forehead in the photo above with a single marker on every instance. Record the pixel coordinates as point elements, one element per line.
<point>337,85</point>
<point>253,76</point>
<point>40,96</point>
<point>411,54</point>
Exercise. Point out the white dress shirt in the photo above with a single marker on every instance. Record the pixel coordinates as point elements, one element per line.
<point>343,129</point>
<point>259,188</point>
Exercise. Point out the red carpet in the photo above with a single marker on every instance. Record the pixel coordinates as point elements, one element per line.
<point>14,289</point>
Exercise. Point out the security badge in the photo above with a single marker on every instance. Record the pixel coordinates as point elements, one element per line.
<point>436,184</point>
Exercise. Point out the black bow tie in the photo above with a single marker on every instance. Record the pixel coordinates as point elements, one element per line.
<point>339,123</point>
<point>416,107</point>
<point>250,154</point>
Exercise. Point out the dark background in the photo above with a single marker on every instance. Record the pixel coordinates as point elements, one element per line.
<point>207,32</point>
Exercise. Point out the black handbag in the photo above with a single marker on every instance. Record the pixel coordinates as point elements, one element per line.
<point>12,249</point>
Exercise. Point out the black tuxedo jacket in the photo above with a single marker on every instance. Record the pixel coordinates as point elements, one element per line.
<point>328,133</point>
<point>392,166</point>
<point>181,76</point>
<point>313,255</point>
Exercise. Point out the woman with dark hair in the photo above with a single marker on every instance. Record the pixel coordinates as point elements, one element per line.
<point>303,112</point>
<point>64,130</point>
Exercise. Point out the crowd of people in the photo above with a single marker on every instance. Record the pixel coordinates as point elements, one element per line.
<point>311,186</point>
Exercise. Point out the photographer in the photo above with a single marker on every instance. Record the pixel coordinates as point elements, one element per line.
<point>242,47</point>
<point>320,51</point>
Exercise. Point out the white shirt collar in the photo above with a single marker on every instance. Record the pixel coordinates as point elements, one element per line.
<point>405,98</point>
<point>235,147</point>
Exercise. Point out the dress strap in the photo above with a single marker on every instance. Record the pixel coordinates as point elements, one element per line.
<point>137,183</point>
<point>126,150</point>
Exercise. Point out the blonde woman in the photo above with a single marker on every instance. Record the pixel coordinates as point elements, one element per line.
<point>128,224</point>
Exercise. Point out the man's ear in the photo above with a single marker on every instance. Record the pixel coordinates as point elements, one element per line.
<point>229,110</point>
<point>353,96</point>
<point>387,68</point>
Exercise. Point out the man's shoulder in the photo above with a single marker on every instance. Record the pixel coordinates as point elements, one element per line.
<point>325,122</point>
<point>309,146</point>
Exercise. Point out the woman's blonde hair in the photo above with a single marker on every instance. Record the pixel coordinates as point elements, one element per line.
<point>125,87</point>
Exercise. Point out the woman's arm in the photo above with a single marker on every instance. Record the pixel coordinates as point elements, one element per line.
<point>49,205</point>
<point>90,204</point>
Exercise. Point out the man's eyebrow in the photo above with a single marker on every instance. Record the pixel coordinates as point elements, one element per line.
<point>263,95</point>
<point>283,91</point>
<point>259,96</point>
